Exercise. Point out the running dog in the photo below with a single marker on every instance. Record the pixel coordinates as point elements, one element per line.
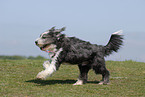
<point>76,51</point>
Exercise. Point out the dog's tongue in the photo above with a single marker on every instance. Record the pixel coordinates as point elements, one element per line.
<point>48,51</point>
<point>43,49</point>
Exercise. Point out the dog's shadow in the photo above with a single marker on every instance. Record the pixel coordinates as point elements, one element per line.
<point>53,82</point>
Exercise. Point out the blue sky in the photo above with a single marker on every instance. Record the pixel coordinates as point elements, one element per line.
<point>22,21</point>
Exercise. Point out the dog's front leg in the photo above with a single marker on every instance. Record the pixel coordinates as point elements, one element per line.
<point>49,69</point>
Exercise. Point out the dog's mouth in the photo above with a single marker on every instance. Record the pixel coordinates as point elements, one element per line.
<point>45,47</point>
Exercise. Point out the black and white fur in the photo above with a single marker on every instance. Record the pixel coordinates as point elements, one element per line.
<point>75,51</point>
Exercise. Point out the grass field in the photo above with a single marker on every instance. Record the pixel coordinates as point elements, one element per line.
<point>17,79</point>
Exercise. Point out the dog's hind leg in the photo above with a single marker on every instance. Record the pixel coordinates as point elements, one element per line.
<point>84,69</point>
<point>99,68</point>
<point>105,76</point>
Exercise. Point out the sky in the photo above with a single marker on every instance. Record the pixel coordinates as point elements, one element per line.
<point>22,21</point>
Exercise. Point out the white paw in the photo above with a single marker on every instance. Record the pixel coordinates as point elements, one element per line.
<point>41,75</point>
<point>101,83</point>
<point>79,82</point>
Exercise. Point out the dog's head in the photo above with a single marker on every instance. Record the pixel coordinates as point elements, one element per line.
<point>48,39</point>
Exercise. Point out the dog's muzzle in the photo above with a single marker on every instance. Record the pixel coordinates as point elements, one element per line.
<point>39,45</point>
<point>43,47</point>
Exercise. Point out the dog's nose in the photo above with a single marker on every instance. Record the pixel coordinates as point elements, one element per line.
<point>36,42</point>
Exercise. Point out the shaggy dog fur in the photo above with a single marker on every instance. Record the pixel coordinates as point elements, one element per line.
<point>75,51</point>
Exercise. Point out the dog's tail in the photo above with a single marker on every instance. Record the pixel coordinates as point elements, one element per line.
<point>115,42</point>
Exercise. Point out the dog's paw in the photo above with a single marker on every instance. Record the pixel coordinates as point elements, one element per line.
<point>40,78</point>
<point>103,83</point>
<point>41,75</point>
<point>79,82</point>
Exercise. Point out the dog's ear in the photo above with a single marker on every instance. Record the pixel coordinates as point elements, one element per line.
<point>59,30</point>
<point>52,29</point>
<point>59,34</point>
<point>62,29</point>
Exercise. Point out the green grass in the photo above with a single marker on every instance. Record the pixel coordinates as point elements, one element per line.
<point>17,79</point>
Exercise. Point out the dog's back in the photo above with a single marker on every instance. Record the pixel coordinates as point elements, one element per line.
<point>79,51</point>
